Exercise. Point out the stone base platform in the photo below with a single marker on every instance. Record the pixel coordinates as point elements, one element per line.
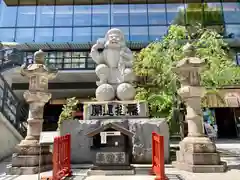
<point>26,160</point>
<point>27,170</point>
<point>222,167</point>
<point>199,155</point>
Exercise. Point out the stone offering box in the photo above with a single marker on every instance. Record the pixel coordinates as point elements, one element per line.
<point>126,134</point>
<point>111,143</point>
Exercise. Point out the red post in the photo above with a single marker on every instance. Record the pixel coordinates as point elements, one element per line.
<point>68,153</point>
<point>158,156</point>
<point>61,158</point>
<point>55,157</point>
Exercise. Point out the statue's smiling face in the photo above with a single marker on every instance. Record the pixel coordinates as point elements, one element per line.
<point>114,39</point>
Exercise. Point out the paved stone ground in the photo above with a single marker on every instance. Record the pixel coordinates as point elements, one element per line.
<point>230,150</point>
<point>172,174</point>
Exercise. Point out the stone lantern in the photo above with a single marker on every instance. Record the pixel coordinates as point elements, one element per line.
<point>197,152</point>
<point>26,160</point>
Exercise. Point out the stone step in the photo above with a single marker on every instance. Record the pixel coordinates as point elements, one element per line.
<point>10,170</point>
<point>111,172</point>
<point>31,160</point>
<point>201,168</point>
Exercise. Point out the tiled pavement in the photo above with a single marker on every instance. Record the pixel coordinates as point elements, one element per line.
<point>230,148</point>
<point>172,174</point>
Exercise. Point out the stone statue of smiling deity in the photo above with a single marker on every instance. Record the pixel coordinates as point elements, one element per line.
<point>114,67</point>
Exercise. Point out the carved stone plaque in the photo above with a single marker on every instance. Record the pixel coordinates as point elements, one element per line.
<point>110,158</point>
<point>116,109</point>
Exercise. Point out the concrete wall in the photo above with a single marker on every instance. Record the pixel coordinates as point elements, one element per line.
<point>9,138</point>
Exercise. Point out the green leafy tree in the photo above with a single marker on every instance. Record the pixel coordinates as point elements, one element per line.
<point>157,83</point>
<point>67,110</point>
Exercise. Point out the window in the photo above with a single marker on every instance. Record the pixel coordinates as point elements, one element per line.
<point>45,16</point>
<point>139,34</point>
<point>44,35</point>
<point>63,15</point>
<point>231,12</point>
<point>82,15</point>
<point>7,34</point>
<point>238,58</point>
<point>8,15</point>
<point>28,57</point>
<point>119,14</point>
<point>67,60</point>
<point>157,32</point>
<point>63,34</point>
<point>138,14</point>
<point>26,16</point>
<point>157,14</point>
<point>99,32</point>
<point>232,31</point>
<point>82,34</point>
<point>100,15</point>
<point>52,58</point>
<point>79,59</point>
<point>24,35</point>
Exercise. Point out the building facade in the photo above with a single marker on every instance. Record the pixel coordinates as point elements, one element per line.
<point>72,26</point>
<point>66,30</point>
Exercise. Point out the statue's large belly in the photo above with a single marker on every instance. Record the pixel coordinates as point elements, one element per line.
<point>112,57</point>
<point>115,77</point>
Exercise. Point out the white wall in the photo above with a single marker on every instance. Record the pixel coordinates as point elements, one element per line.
<point>9,138</point>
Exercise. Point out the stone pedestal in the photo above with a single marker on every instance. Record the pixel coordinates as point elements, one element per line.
<point>197,152</point>
<point>26,159</point>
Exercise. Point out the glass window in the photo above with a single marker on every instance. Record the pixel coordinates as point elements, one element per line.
<point>52,58</point>
<point>231,12</point>
<point>125,31</point>
<point>99,32</point>
<point>79,59</point>
<point>232,31</point>
<point>138,14</point>
<point>82,34</point>
<point>24,34</point>
<point>63,15</point>
<point>157,32</point>
<point>28,57</point>
<point>119,14</point>
<point>100,15</point>
<point>63,34</point>
<point>44,35</point>
<point>157,14</point>
<point>7,34</point>
<point>8,15</point>
<point>26,16</point>
<point>175,14</point>
<point>91,64</point>
<point>67,60</point>
<point>139,34</point>
<point>213,13</point>
<point>45,16</point>
<point>238,60</point>
<point>82,15</point>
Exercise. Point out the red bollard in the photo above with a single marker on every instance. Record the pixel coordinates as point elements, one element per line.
<point>158,157</point>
